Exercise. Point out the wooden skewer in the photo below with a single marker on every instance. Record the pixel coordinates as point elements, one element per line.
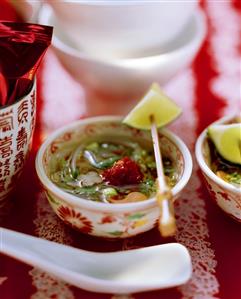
<point>167,222</point>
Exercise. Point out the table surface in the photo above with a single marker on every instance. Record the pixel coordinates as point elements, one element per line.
<point>207,90</point>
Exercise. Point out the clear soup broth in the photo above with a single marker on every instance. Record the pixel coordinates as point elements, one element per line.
<point>110,170</point>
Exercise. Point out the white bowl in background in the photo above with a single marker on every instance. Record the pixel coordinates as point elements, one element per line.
<point>125,77</point>
<point>122,29</point>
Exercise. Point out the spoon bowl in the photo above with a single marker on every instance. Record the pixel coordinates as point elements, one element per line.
<point>130,271</point>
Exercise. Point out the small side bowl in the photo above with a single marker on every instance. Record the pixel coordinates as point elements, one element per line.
<point>101,219</point>
<point>225,195</point>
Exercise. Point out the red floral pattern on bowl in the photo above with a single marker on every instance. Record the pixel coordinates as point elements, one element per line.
<point>101,219</point>
<point>75,219</point>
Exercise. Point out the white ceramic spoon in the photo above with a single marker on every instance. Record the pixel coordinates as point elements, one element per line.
<point>122,272</point>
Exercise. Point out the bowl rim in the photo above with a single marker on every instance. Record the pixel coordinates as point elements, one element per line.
<point>116,208</point>
<point>198,16</point>
<point>112,3</point>
<point>202,163</point>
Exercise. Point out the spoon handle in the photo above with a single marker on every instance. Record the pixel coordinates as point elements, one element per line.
<point>38,252</point>
<point>24,247</point>
<point>167,222</point>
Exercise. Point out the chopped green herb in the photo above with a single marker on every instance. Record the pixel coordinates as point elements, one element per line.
<point>81,172</point>
<point>109,192</point>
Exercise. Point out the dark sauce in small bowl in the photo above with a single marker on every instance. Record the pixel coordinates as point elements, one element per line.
<point>226,170</point>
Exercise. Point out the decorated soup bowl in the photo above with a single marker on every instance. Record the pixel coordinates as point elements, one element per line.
<point>117,209</point>
<point>225,194</point>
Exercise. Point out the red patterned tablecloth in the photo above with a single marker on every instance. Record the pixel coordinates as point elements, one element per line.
<point>207,90</point>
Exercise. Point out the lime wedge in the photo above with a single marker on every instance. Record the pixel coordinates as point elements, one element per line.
<point>227,139</point>
<point>155,103</point>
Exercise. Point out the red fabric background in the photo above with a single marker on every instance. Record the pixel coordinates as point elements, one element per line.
<point>224,232</point>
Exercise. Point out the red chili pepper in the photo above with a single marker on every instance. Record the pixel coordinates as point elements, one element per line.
<point>124,172</point>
